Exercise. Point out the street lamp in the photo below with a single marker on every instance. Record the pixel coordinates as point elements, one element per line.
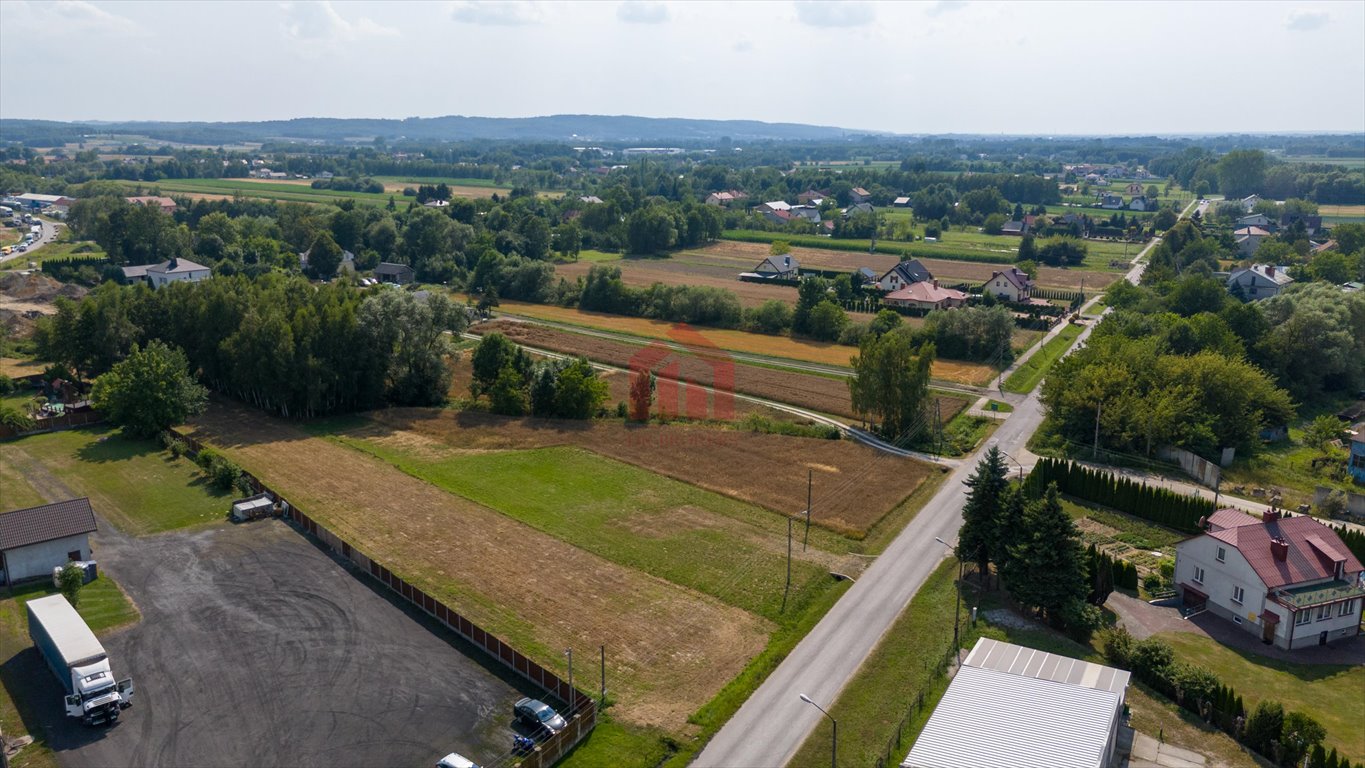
<point>1016,463</point>
<point>957,610</point>
<point>834,744</point>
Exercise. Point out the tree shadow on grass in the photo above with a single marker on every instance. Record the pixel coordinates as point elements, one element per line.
<point>113,446</point>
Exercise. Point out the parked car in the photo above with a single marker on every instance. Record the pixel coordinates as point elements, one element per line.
<point>455,760</point>
<point>539,715</point>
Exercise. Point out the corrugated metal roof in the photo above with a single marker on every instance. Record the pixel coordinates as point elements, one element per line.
<point>72,636</point>
<point>989,718</point>
<point>1027,662</point>
<point>34,525</point>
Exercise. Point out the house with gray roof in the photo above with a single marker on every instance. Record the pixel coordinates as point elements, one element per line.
<point>905,273</point>
<point>35,540</point>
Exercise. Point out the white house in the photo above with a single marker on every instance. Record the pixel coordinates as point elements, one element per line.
<point>1012,285</point>
<point>783,267</point>
<point>167,272</point>
<point>1290,581</point>
<point>1259,281</point>
<point>1249,239</point>
<point>1254,220</point>
<point>1112,202</point>
<point>35,540</point>
<point>1141,203</point>
<point>1013,706</point>
<point>905,273</point>
<point>1249,202</point>
<point>859,195</point>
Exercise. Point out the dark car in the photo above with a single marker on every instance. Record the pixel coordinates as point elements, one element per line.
<point>538,715</point>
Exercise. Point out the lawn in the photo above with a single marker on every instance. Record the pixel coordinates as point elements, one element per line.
<point>1330,694</point>
<point>103,606</point>
<point>133,483</point>
<point>1285,465</point>
<point>667,528</point>
<point>1028,375</point>
<point>58,250</point>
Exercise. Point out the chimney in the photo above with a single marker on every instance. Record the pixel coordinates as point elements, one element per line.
<point>1270,271</point>
<point>1270,515</point>
<point>936,282</point>
<point>1279,549</point>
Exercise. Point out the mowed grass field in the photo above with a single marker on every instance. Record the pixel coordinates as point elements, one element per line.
<point>1342,214</point>
<point>133,483</point>
<point>672,647</point>
<point>783,347</point>
<point>743,257</point>
<point>299,190</point>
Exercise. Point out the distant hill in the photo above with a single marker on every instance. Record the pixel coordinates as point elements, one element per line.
<point>571,128</point>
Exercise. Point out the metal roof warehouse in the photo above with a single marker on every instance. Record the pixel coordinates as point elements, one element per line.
<point>1014,706</point>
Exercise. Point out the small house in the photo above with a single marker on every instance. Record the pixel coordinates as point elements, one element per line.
<point>901,202</point>
<point>1140,203</point>
<point>783,267</point>
<point>35,540</point>
<point>1311,224</point>
<point>1134,189</point>
<point>167,272</point>
<point>1259,281</point>
<point>396,274</point>
<point>808,212</point>
<point>1016,228</point>
<point>925,295</point>
<point>905,273</point>
<point>166,204</point>
<point>1289,581</point>
<point>1254,220</point>
<point>1012,285</point>
<point>858,208</point>
<point>590,199</point>
<point>865,276</point>
<point>859,195</point>
<point>1249,240</point>
<point>812,197</point>
<point>1112,202</point>
<point>1249,202</point>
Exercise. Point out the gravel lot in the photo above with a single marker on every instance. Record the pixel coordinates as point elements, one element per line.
<point>257,648</point>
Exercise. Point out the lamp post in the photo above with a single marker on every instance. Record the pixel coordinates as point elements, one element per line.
<point>834,743</point>
<point>1016,463</point>
<point>957,610</point>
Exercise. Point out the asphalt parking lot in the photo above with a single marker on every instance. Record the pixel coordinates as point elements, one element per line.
<point>258,648</point>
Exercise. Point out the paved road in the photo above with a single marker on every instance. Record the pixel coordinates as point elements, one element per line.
<point>769,728</point>
<point>49,234</point>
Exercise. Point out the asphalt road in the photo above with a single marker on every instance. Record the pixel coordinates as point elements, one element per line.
<point>258,648</point>
<point>49,234</point>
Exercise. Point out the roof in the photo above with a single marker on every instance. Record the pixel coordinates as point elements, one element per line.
<point>1276,275</point>
<point>901,201</point>
<point>1027,662</point>
<point>1016,276</point>
<point>927,292</point>
<point>69,632</point>
<point>35,525</point>
<point>1251,232</point>
<point>988,718</point>
<point>1012,226</point>
<point>860,192</point>
<point>177,267</point>
<point>910,270</point>
<point>164,202</point>
<point>139,270</point>
<point>389,268</point>
<point>778,264</point>
<point>1314,548</point>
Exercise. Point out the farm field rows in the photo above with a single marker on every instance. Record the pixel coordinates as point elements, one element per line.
<point>819,393</point>
<point>672,648</point>
<point>742,257</point>
<point>291,190</point>
<point>736,341</point>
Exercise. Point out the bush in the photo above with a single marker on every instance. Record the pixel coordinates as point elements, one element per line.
<point>224,473</point>
<point>15,419</point>
<point>6,384</point>
<point>1152,582</point>
<point>1153,660</point>
<point>1118,644</point>
<point>1264,726</point>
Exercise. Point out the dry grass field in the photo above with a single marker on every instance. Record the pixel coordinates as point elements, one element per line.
<point>738,341</point>
<point>819,393</point>
<point>672,648</point>
<point>741,257</point>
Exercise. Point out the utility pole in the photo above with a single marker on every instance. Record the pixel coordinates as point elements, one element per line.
<point>569,652</point>
<point>810,479</point>
<point>604,675</point>
<point>938,428</point>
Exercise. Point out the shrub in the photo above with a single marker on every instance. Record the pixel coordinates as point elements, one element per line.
<point>1264,726</point>
<point>224,473</point>
<point>1152,662</point>
<point>1117,644</point>
<point>6,384</point>
<point>243,485</point>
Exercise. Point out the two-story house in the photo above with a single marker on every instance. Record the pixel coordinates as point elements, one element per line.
<point>1012,285</point>
<point>1291,581</point>
<point>1259,281</point>
<point>1357,460</point>
<point>905,273</point>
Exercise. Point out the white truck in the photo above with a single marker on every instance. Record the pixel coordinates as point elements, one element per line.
<point>78,660</point>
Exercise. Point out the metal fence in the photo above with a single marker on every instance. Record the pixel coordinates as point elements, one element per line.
<point>581,709</point>
<point>895,742</point>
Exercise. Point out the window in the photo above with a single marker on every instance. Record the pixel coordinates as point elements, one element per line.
<point>73,555</point>
<point>1347,608</point>
<point>1222,555</point>
<point>1324,613</point>
<point>1238,594</point>
<point>1198,575</point>
<point>1236,619</point>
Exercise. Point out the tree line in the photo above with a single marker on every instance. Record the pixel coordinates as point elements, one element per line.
<point>276,342</point>
<point>1174,510</point>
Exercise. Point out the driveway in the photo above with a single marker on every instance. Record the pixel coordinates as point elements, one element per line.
<point>258,648</point>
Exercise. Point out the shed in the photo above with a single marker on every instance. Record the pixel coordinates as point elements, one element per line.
<point>252,507</point>
<point>35,540</point>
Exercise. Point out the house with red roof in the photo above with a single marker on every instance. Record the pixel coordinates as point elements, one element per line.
<point>925,295</point>
<point>1289,580</point>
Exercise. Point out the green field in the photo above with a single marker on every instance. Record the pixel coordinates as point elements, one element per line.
<point>297,193</point>
<point>661,526</point>
<point>58,250</point>
<point>1286,465</point>
<point>1330,694</point>
<point>1027,376</point>
<point>103,606</point>
<point>418,181</point>
<point>133,483</point>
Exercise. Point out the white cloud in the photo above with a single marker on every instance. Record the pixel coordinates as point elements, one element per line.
<point>71,14</point>
<point>743,46</point>
<point>850,13</point>
<point>498,13</point>
<point>946,6</point>
<point>642,12</point>
<point>1304,19</point>
<point>320,22</point>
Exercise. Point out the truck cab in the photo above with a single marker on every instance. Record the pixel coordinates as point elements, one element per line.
<point>97,698</point>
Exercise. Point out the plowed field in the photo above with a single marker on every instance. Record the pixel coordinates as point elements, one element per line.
<point>819,393</point>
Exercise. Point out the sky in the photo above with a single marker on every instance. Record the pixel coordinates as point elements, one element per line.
<point>904,67</point>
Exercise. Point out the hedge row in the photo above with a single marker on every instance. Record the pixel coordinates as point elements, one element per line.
<point>1173,510</point>
<point>51,266</point>
<point>904,250</point>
